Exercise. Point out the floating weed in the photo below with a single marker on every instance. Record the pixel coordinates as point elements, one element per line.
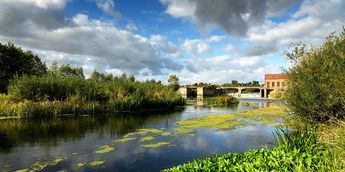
<point>267,115</point>
<point>144,131</point>
<point>81,164</point>
<point>126,139</point>
<point>149,130</point>
<point>63,170</point>
<point>75,153</point>
<point>91,164</point>
<point>182,130</point>
<point>147,138</point>
<point>22,170</point>
<point>165,134</point>
<point>104,149</point>
<point>96,163</point>
<point>222,122</point>
<point>39,166</point>
<point>156,145</point>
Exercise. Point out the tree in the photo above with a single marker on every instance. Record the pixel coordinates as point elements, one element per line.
<point>316,80</point>
<point>15,61</point>
<point>95,75</point>
<point>174,82</point>
<point>109,77</point>
<point>131,78</point>
<point>66,70</point>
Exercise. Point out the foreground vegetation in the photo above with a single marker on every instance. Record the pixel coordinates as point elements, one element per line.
<point>221,100</point>
<point>298,150</point>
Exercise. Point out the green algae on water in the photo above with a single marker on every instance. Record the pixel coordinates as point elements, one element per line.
<point>156,145</point>
<point>126,139</point>
<point>165,134</point>
<point>221,122</point>
<point>104,149</point>
<point>182,130</point>
<point>39,166</point>
<point>147,138</point>
<point>91,164</point>
<point>144,131</point>
<point>96,163</point>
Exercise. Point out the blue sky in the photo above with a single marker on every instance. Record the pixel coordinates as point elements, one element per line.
<point>197,40</point>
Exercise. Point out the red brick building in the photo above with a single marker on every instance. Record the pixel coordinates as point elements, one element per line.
<point>275,81</point>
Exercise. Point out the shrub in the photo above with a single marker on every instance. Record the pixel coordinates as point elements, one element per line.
<point>276,94</point>
<point>316,87</point>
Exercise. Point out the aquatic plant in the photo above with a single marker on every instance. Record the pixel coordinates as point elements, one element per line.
<point>147,138</point>
<point>221,100</point>
<point>156,145</point>
<point>104,149</point>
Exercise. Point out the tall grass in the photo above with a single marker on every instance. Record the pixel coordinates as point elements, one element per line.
<point>297,150</point>
<point>50,95</point>
<point>221,100</point>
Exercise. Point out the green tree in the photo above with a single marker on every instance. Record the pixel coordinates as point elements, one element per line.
<point>174,82</point>
<point>131,78</point>
<point>109,77</point>
<point>15,61</point>
<point>316,87</point>
<point>66,70</point>
<point>95,75</point>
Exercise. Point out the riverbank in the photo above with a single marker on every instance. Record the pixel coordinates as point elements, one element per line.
<point>49,95</point>
<point>306,148</point>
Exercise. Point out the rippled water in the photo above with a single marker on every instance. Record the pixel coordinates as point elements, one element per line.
<point>62,143</point>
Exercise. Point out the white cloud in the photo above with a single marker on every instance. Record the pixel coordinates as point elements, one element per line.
<point>216,38</point>
<point>108,6</point>
<point>310,24</point>
<point>195,46</point>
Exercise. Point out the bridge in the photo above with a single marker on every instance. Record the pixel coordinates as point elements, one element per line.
<point>211,91</point>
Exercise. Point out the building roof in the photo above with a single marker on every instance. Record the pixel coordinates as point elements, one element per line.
<point>275,76</point>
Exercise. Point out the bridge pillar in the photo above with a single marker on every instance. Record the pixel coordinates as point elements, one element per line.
<point>260,92</point>
<point>265,93</point>
<point>239,92</point>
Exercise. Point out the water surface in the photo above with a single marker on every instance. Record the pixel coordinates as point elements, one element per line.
<point>64,142</point>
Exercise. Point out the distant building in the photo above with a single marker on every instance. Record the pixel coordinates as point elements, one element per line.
<point>275,81</point>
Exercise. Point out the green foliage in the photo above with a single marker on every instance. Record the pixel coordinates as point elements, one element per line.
<point>51,95</point>
<point>298,150</point>
<point>316,88</point>
<point>66,70</point>
<point>276,94</point>
<point>173,82</point>
<point>15,61</point>
<point>221,100</point>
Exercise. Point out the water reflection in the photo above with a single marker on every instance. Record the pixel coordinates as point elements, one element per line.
<point>24,142</point>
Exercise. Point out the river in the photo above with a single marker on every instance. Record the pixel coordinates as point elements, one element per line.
<point>70,143</point>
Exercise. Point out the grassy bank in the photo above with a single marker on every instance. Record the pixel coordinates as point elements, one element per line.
<point>49,95</point>
<point>297,151</point>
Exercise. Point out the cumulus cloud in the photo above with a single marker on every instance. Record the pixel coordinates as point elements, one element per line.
<point>310,24</point>
<point>108,6</point>
<point>80,40</point>
<point>234,16</point>
<point>195,46</point>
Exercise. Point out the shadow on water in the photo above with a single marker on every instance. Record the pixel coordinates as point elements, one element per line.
<point>70,142</point>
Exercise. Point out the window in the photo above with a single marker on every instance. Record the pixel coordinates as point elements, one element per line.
<point>283,83</point>
<point>278,84</point>
<point>268,84</point>
<point>272,84</point>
